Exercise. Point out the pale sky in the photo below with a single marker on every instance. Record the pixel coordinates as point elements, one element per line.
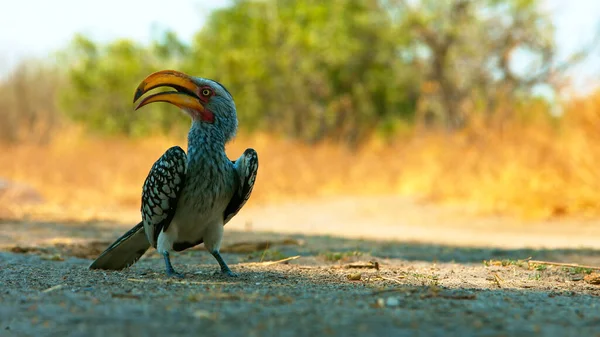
<point>37,27</point>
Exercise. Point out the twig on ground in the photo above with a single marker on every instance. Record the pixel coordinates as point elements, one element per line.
<point>368,265</point>
<point>560,264</point>
<point>497,279</point>
<point>269,263</point>
<point>385,278</point>
<point>56,287</point>
<point>392,279</point>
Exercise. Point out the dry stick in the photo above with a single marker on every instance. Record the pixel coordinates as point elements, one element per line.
<point>268,263</point>
<point>391,279</point>
<point>497,279</point>
<point>370,265</point>
<point>385,278</point>
<point>56,287</point>
<point>572,265</point>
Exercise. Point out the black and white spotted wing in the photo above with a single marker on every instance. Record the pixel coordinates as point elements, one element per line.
<point>161,192</point>
<point>246,167</point>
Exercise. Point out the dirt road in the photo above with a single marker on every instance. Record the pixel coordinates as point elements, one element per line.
<point>430,281</point>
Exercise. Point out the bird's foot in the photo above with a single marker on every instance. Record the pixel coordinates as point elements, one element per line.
<point>227,273</point>
<point>169,268</point>
<point>174,274</point>
<point>224,268</point>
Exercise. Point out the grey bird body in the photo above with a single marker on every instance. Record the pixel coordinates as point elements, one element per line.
<point>210,185</point>
<point>188,198</point>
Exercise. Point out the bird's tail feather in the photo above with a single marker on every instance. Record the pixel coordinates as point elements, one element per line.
<point>125,251</point>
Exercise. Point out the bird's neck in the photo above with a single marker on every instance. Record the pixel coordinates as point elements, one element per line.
<point>204,141</point>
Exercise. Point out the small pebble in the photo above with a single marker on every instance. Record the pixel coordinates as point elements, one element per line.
<point>392,302</point>
<point>354,277</point>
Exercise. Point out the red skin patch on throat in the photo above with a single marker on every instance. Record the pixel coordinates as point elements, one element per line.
<point>205,116</point>
<point>208,116</point>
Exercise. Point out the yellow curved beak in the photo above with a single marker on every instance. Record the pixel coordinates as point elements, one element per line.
<point>186,95</point>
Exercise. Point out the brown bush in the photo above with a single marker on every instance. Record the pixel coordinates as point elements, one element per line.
<point>28,109</point>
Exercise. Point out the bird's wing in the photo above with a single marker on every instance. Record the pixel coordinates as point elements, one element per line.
<point>246,167</point>
<point>161,192</point>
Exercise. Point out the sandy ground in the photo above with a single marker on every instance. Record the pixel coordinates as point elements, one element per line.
<point>383,266</point>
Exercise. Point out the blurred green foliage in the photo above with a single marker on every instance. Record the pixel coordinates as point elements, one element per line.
<point>102,79</point>
<point>310,69</point>
<point>341,70</point>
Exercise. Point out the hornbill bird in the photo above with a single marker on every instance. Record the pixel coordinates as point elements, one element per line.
<point>188,198</point>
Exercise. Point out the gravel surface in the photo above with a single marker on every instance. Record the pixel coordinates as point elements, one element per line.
<point>337,286</point>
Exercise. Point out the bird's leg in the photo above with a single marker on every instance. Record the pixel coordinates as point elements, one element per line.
<point>224,268</point>
<point>170,271</point>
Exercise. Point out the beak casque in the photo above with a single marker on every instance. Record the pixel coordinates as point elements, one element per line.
<point>186,97</point>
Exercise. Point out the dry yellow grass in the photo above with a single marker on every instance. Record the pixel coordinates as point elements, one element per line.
<point>538,168</point>
<point>533,169</point>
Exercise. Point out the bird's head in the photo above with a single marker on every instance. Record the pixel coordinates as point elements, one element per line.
<point>207,102</point>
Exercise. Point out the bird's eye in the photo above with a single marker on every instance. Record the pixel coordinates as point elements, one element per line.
<point>206,92</point>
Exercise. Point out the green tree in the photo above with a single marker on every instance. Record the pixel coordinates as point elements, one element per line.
<point>342,70</point>
<point>102,79</point>
<point>309,69</point>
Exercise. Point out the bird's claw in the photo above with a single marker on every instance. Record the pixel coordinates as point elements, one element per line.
<point>227,273</point>
<point>175,274</point>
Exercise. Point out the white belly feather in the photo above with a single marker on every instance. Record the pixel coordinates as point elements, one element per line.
<point>192,223</point>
